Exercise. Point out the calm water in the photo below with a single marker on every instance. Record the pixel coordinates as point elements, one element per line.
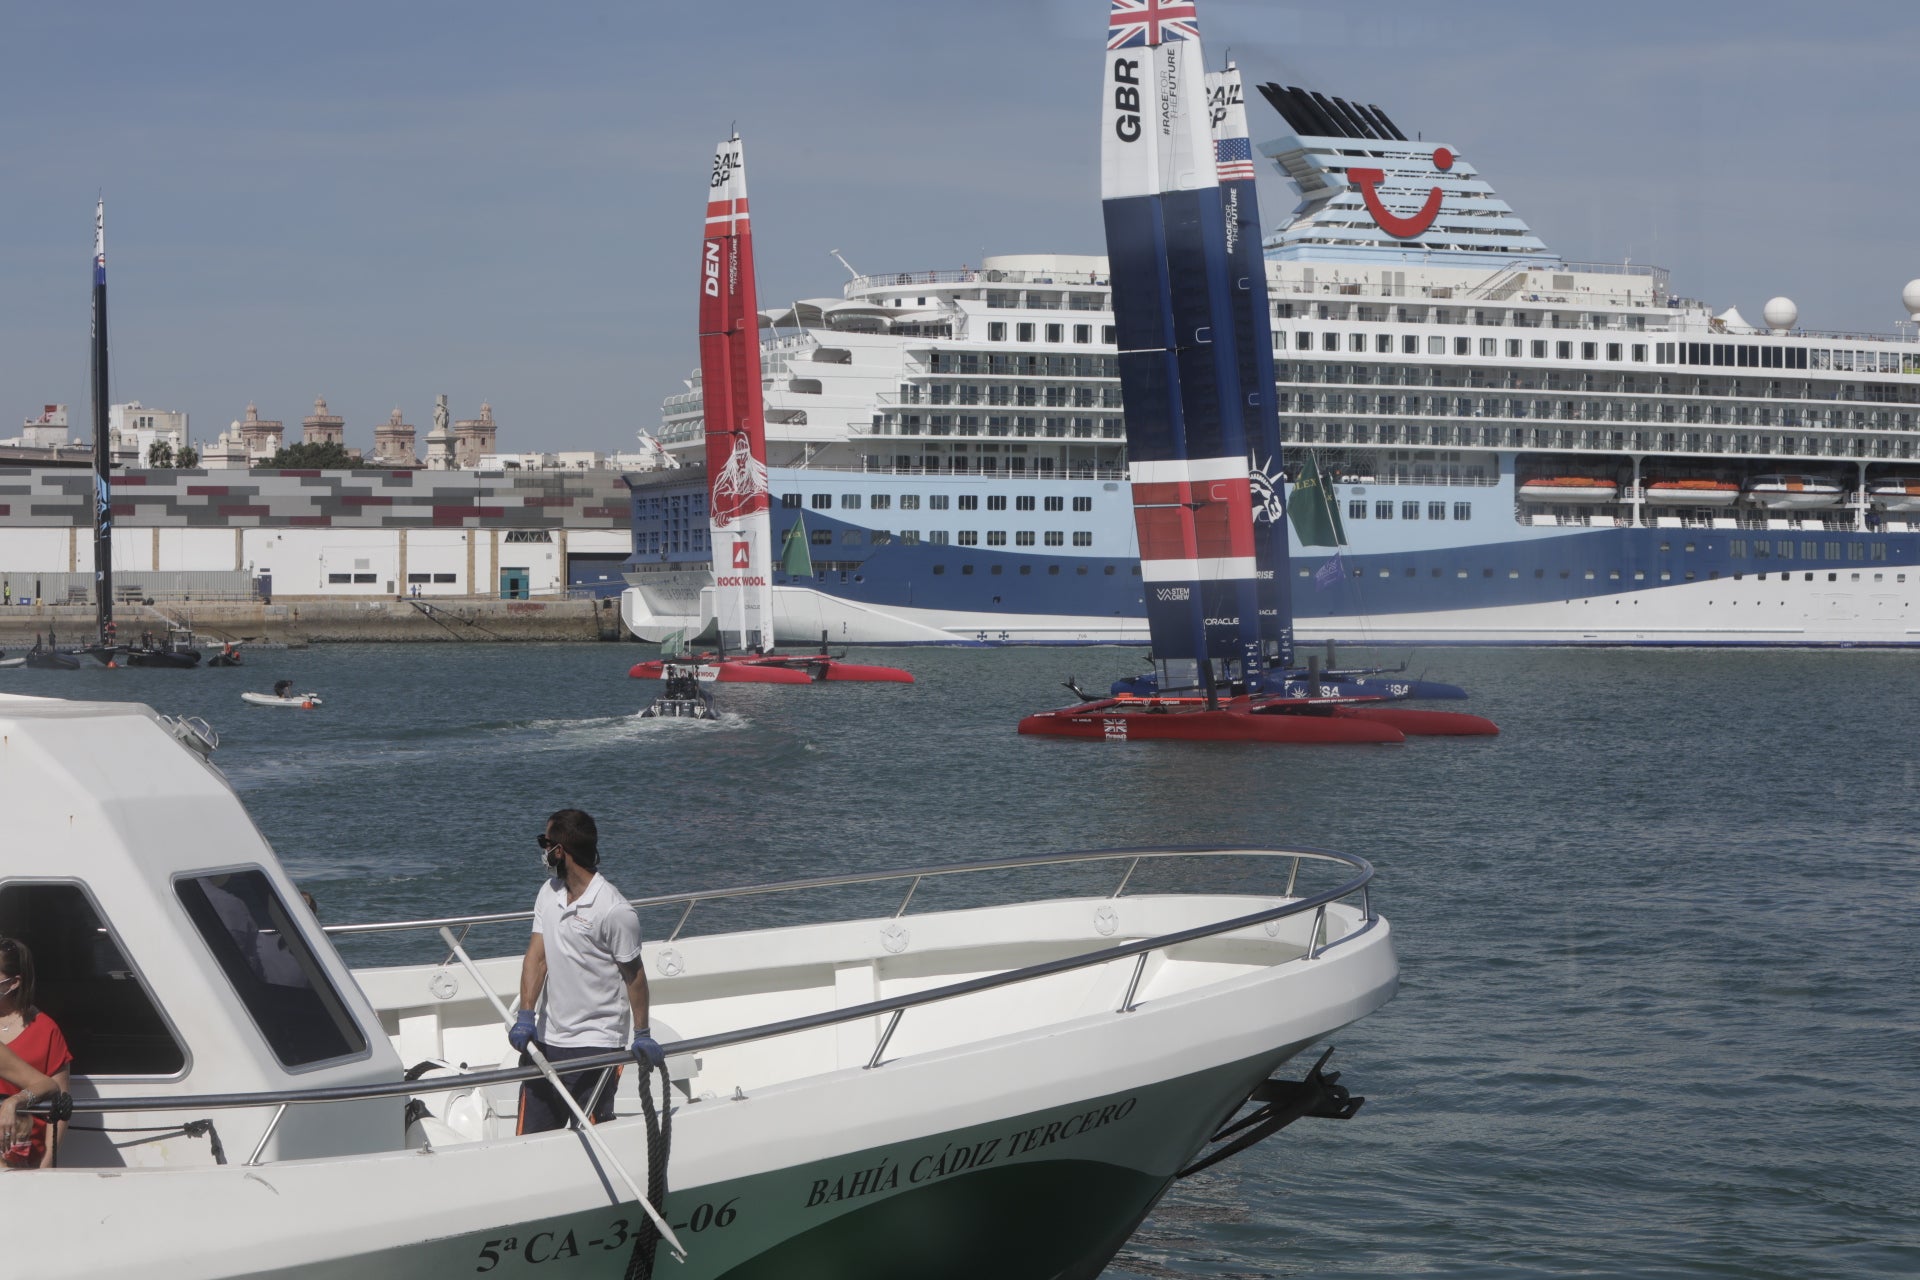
<point>1660,940</point>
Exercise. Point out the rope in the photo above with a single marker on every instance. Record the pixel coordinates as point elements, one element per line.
<point>659,1148</point>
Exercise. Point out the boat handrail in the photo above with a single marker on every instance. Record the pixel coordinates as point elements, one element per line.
<point>851,878</point>
<point>1315,903</point>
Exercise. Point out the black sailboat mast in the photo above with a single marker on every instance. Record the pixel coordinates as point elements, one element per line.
<point>102,447</point>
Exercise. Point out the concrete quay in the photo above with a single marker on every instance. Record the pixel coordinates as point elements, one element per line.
<point>296,621</point>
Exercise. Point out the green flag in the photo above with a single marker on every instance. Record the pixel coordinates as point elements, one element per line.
<point>1315,512</point>
<point>795,558</point>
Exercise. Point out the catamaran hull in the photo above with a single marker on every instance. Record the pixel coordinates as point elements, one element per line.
<point>1184,724</point>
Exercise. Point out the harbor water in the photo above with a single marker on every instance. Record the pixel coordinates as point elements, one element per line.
<point>1660,1004</point>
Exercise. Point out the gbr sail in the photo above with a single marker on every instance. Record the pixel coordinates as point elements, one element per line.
<point>1180,376</point>
<point>1253,354</point>
<point>735,420</point>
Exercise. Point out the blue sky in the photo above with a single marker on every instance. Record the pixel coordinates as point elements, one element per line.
<point>381,202</point>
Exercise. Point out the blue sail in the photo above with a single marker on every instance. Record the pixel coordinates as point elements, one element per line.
<point>1174,317</point>
<point>1253,325</point>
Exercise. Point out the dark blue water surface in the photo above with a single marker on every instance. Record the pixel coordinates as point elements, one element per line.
<point>1660,939</point>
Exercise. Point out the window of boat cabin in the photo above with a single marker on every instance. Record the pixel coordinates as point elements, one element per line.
<point>1023,503</point>
<point>789,500</point>
<point>259,946</point>
<point>1357,509</point>
<point>937,502</point>
<point>1024,332</point>
<point>969,502</point>
<point>1054,503</point>
<point>850,502</point>
<point>996,331</point>
<point>1383,510</point>
<point>86,984</point>
<point>880,501</point>
<point>1083,504</point>
<point>822,501</point>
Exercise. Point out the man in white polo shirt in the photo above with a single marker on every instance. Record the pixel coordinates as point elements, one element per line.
<point>582,972</point>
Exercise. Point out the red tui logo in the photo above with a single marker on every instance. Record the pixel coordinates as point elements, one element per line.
<point>1367,180</point>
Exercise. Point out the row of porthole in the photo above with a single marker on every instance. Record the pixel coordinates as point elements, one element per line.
<point>1613,575</point>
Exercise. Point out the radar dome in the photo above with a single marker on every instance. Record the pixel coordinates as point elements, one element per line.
<point>1910,298</point>
<point>1781,314</point>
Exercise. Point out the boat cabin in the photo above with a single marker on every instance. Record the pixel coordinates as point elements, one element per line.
<point>171,948</point>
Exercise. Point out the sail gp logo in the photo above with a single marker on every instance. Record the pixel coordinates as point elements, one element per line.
<point>1368,182</point>
<point>740,560</point>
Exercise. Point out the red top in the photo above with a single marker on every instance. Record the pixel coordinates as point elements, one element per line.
<point>42,1047</point>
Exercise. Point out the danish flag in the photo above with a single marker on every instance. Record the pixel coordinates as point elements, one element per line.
<point>1134,23</point>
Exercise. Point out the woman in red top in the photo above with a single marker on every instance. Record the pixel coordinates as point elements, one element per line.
<point>31,1036</point>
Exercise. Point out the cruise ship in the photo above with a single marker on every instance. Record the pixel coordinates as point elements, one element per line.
<point>1522,449</point>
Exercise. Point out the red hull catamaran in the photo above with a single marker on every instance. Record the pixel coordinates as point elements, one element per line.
<point>1194,335</point>
<point>738,500</point>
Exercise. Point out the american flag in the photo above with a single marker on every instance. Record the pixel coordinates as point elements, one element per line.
<point>1149,22</point>
<point>1233,157</point>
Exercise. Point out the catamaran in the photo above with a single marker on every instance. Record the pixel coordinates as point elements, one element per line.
<point>1194,350</point>
<point>736,457</point>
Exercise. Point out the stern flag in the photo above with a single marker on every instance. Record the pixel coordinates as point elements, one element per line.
<point>1315,517</point>
<point>1330,573</point>
<point>795,559</point>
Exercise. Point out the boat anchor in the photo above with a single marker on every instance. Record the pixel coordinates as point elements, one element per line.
<point>1319,1094</point>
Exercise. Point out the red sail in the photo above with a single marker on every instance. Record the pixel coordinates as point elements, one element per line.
<point>734,413</point>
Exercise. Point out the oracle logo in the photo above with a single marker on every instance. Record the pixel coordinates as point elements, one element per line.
<point>1367,181</point>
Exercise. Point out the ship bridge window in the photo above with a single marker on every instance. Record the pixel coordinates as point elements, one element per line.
<point>849,502</point>
<point>258,944</point>
<point>1383,510</point>
<point>1056,538</point>
<point>822,501</point>
<point>789,500</point>
<point>85,983</point>
<point>1083,539</point>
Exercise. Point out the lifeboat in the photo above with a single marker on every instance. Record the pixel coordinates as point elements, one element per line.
<point>1794,493</point>
<point>1570,489</point>
<point>1694,493</point>
<point>1895,495</point>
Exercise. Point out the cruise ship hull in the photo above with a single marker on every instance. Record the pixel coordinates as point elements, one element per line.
<point>1476,566</point>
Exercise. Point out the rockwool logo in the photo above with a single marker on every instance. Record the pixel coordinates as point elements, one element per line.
<point>740,556</point>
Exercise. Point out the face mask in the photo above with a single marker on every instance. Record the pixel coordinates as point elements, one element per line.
<point>556,862</point>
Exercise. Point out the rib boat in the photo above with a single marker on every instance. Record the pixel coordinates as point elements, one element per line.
<point>988,1068</point>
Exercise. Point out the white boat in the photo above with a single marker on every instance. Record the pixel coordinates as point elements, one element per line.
<point>1569,489</point>
<point>1795,492</point>
<point>9,663</point>
<point>1003,1090</point>
<point>305,701</point>
<point>1895,495</point>
<point>1694,493</point>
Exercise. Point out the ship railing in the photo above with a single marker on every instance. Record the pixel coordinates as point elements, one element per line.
<point>1288,864</point>
<point>972,275</point>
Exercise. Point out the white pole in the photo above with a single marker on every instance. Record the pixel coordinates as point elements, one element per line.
<point>594,1140</point>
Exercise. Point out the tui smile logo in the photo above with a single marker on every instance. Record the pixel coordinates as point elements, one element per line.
<point>1368,180</point>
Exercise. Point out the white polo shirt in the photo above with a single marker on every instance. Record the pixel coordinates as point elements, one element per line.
<point>585,1001</point>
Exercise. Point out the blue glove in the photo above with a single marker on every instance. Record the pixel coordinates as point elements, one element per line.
<point>647,1050</point>
<point>522,1033</point>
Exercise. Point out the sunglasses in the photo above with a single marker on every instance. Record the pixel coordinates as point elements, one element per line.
<point>545,842</point>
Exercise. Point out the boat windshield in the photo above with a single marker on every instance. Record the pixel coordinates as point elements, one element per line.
<point>271,967</point>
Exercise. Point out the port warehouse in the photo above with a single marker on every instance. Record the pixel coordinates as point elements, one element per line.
<point>318,534</point>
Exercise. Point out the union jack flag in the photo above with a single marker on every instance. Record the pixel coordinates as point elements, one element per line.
<point>1233,157</point>
<point>1149,22</point>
